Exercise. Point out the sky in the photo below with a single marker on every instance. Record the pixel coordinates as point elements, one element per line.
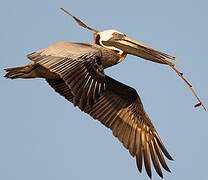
<point>43,136</point>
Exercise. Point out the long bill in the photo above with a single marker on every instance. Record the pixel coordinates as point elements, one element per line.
<point>131,46</point>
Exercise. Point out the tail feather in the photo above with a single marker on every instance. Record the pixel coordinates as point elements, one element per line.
<point>31,70</point>
<point>16,72</point>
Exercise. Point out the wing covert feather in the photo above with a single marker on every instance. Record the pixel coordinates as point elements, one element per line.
<point>79,65</point>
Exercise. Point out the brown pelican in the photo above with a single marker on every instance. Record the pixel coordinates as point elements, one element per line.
<point>76,71</point>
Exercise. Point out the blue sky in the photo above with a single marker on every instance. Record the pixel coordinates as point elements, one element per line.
<point>44,137</point>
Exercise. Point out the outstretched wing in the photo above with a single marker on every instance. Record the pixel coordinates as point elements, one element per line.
<point>120,109</point>
<point>79,65</point>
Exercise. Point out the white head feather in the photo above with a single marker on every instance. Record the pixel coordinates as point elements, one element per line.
<point>106,35</point>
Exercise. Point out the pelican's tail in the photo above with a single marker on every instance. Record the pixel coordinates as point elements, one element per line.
<point>17,72</point>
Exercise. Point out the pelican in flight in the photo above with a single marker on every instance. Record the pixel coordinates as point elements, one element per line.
<point>76,71</point>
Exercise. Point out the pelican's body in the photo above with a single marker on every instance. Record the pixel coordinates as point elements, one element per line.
<point>71,50</point>
<point>74,50</point>
<point>76,71</point>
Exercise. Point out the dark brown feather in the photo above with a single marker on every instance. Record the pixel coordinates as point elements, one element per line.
<point>145,148</point>
<point>139,150</point>
<point>154,159</point>
<point>77,73</point>
<point>160,156</point>
<point>60,87</point>
<point>119,108</point>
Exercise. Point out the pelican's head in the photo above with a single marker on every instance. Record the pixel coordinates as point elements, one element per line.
<point>122,44</point>
<point>102,37</point>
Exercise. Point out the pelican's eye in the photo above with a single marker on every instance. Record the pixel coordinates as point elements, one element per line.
<point>117,35</point>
